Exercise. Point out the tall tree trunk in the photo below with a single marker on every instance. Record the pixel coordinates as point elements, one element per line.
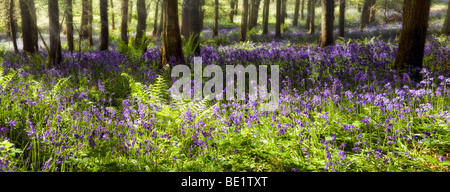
<point>124,24</point>
<point>130,12</point>
<point>233,10</point>
<point>91,20</point>
<point>84,33</point>
<point>216,19</point>
<point>373,11</point>
<point>278,20</point>
<point>55,41</point>
<point>160,27</point>
<point>341,18</point>
<point>283,11</point>
<point>195,24</point>
<point>12,25</point>
<point>7,4</point>
<point>104,34</point>
<point>326,36</point>
<point>202,14</point>
<point>412,39</point>
<point>365,15</point>
<point>142,24</point>
<point>312,25</point>
<point>185,19</point>
<point>171,45</point>
<point>34,27</point>
<point>446,28</point>
<point>244,21</point>
<point>69,24</point>
<point>253,17</point>
<point>266,16</point>
<point>302,11</point>
<point>308,14</point>
<point>296,12</point>
<point>155,21</point>
<point>112,15</point>
<point>27,36</point>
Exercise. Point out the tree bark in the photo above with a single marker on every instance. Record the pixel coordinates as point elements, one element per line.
<point>312,25</point>
<point>130,12</point>
<point>34,27</point>
<point>185,19</point>
<point>283,11</point>
<point>373,11</point>
<point>365,15</point>
<point>12,25</point>
<point>142,24</point>
<point>302,10</point>
<point>413,35</point>
<point>195,24</point>
<point>54,31</point>
<point>84,34</point>
<point>27,22</point>
<point>296,12</point>
<point>233,12</point>
<point>446,27</point>
<point>112,15</point>
<point>124,24</point>
<point>253,17</point>
<point>278,20</point>
<point>244,21</point>
<point>308,14</point>
<point>155,21</point>
<point>160,27</point>
<point>326,36</point>
<point>266,16</point>
<point>341,18</point>
<point>104,34</point>
<point>69,24</point>
<point>216,19</point>
<point>171,45</point>
<point>91,20</point>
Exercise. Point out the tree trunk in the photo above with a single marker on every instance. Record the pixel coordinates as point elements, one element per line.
<point>155,20</point>
<point>91,20</point>
<point>171,45</point>
<point>27,36</point>
<point>412,39</point>
<point>34,27</point>
<point>312,25</point>
<point>446,28</point>
<point>216,19</point>
<point>69,24</point>
<point>233,10</point>
<point>303,7</point>
<point>55,41</point>
<point>278,20</point>
<point>104,34</point>
<point>365,15</point>
<point>84,34</point>
<point>124,24</point>
<point>373,11</point>
<point>253,17</point>
<point>130,12</point>
<point>244,21</point>
<point>202,13</point>
<point>185,19</point>
<point>266,16</point>
<point>196,23</point>
<point>308,14</point>
<point>112,15</point>
<point>142,24</point>
<point>12,25</point>
<point>296,12</point>
<point>283,11</point>
<point>341,18</point>
<point>160,27</point>
<point>326,36</point>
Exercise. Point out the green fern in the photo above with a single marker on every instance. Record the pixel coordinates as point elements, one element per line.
<point>62,83</point>
<point>4,80</point>
<point>155,94</point>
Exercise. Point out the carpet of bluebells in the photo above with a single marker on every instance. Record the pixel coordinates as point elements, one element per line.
<point>342,109</point>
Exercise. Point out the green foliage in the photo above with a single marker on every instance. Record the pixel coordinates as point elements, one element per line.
<point>191,46</point>
<point>5,79</point>
<point>155,94</point>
